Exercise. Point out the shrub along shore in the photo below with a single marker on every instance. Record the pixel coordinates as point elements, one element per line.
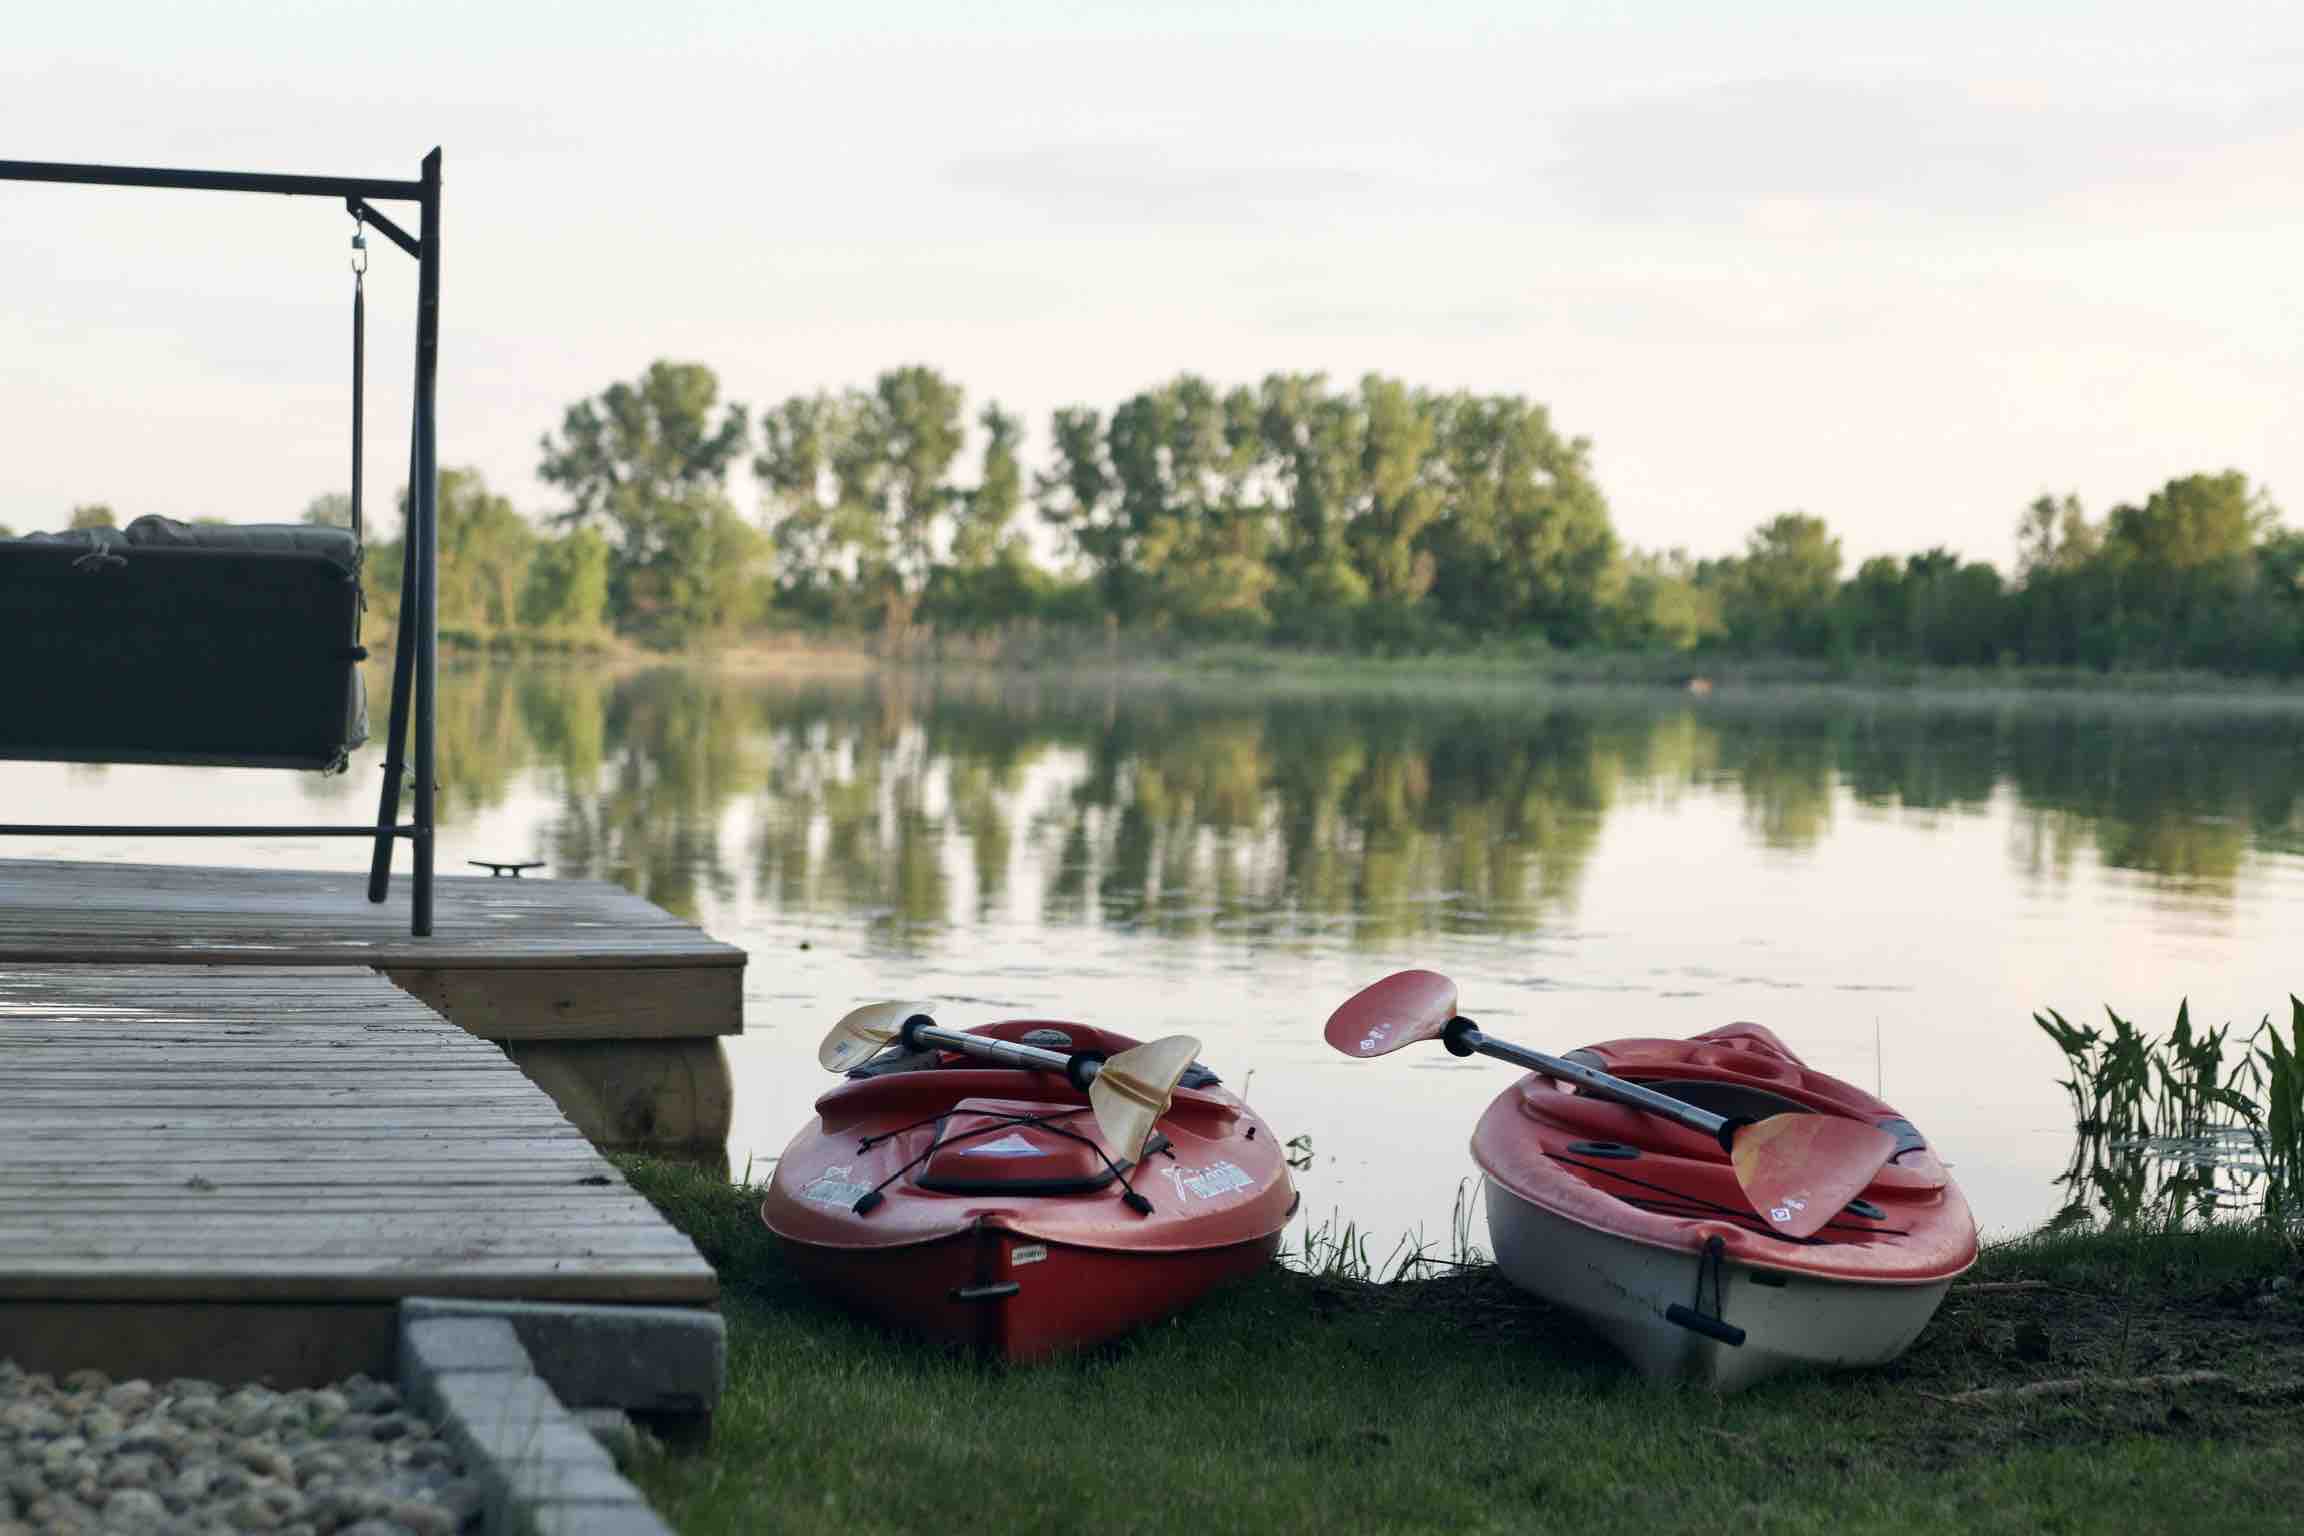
<point>1160,659</point>
<point>2081,1380</point>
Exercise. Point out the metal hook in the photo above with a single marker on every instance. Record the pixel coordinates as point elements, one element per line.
<point>359,244</point>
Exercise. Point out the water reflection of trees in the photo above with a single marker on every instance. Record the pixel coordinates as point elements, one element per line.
<point>2176,796</point>
<point>1285,816</point>
<point>924,801</point>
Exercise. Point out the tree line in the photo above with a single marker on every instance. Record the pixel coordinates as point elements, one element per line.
<point>1380,517</point>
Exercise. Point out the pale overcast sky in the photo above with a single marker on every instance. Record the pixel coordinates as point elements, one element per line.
<point>1901,266</point>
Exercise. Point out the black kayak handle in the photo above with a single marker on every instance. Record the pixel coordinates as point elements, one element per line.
<point>1711,1327</point>
<point>992,1292</point>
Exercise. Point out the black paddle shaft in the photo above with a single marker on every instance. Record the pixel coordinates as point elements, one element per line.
<point>1079,1066</point>
<point>1463,1038</point>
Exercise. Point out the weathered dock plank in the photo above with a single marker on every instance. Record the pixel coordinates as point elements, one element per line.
<point>133,912</point>
<point>267,1158</point>
<point>530,960</point>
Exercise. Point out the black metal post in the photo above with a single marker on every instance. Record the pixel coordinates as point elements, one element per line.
<point>403,684</point>
<point>426,505</point>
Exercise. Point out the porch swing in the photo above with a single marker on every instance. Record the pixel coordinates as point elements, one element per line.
<point>239,646</point>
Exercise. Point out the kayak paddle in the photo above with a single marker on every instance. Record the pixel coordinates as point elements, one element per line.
<point>1798,1170</point>
<point>1129,1093</point>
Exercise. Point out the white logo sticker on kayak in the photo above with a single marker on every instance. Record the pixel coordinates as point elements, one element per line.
<point>1027,1253</point>
<point>1374,1038</point>
<point>1209,1182</point>
<point>1010,1145</point>
<point>834,1187</point>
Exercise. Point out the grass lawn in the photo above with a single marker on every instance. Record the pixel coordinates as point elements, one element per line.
<point>1301,1403</point>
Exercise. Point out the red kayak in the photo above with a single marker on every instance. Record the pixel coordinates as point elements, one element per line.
<point>1638,1223</point>
<point>977,1204</point>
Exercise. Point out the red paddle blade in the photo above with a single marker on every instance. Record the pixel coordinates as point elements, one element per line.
<point>1799,1171</point>
<point>1403,1008</point>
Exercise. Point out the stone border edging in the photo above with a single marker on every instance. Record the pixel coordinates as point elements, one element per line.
<point>642,1359</point>
<point>543,1473</point>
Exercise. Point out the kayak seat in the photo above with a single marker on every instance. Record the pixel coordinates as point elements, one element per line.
<point>1735,1100</point>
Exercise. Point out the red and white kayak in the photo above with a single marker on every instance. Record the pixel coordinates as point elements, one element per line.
<point>1639,1224</point>
<point>978,1205</point>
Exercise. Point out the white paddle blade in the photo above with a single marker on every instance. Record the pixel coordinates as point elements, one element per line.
<point>1131,1092</point>
<point>863,1033</point>
<point>1403,1008</point>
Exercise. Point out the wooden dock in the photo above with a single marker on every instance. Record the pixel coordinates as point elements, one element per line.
<point>237,1169</point>
<point>520,960</point>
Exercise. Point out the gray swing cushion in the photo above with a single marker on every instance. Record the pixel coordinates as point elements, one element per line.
<point>168,642</point>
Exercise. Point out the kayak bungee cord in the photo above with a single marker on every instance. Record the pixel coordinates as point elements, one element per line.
<point>1693,1204</point>
<point>872,1197</point>
<point>1751,1224</point>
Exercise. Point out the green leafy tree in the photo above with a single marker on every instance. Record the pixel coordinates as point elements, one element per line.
<point>1953,611</point>
<point>2054,534</point>
<point>2197,523</point>
<point>988,512</point>
<point>94,515</point>
<point>1660,605</point>
<point>1156,503</point>
<point>912,424</point>
<point>1077,497</point>
<point>1524,541</point>
<point>649,460</point>
<point>860,492</point>
<point>1399,497</point>
<point>1311,444</point>
<point>816,496</point>
<point>1873,609</point>
<point>485,547</point>
<point>710,578</point>
<point>2183,569</point>
<point>1183,457</point>
<point>1778,596</point>
<point>2061,614</point>
<point>991,578</point>
<point>567,588</point>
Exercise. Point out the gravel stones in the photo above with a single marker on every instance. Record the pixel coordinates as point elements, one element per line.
<point>86,1454</point>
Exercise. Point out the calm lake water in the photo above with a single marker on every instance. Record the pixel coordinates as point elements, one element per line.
<point>1892,884</point>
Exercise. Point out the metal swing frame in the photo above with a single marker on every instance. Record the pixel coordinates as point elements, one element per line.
<point>415,667</point>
